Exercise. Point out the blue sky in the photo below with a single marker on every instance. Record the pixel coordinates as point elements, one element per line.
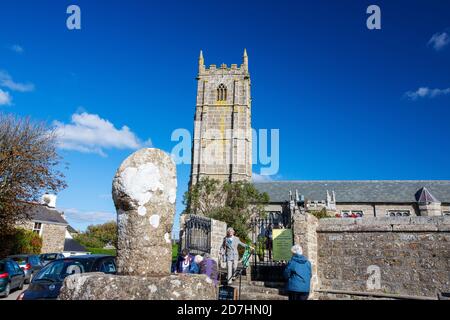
<point>347,100</point>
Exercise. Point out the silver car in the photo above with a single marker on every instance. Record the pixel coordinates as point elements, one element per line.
<point>29,263</point>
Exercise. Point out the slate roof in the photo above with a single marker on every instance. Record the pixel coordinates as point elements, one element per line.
<point>71,229</point>
<point>372,191</point>
<point>43,213</point>
<point>70,245</point>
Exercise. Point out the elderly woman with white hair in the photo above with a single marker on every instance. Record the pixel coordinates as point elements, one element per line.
<point>298,275</point>
<point>229,251</point>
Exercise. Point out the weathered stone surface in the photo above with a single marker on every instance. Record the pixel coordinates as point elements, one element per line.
<point>99,286</point>
<point>144,191</point>
<point>412,254</point>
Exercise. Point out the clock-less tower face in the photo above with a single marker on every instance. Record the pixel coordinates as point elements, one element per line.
<point>222,145</point>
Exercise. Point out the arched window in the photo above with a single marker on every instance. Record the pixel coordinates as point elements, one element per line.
<point>222,93</point>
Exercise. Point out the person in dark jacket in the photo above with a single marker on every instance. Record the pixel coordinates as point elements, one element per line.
<point>298,275</point>
<point>185,263</point>
<point>208,266</point>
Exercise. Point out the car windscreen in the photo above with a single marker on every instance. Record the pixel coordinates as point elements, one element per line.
<point>20,260</point>
<point>34,260</point>
<point>51,256</point>
<point>2,267</point>
<point>58,270</point>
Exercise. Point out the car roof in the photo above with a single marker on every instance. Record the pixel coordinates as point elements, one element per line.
<point>20,255</point>
<point>86,257</point>
<point>90,256</point>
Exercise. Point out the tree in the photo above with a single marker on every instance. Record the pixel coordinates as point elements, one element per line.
<point>98,236</point>
<point>234,203</point>
<point>28,168</point>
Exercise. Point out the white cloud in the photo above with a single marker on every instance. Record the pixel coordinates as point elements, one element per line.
<point>89,133</point>
<point>439,40</point>
<point>425,92</point>
<point>5,98</point>
<point>88,217</point>
<point>261,178</point>
<point>7,82</point>
<point>16,48</point>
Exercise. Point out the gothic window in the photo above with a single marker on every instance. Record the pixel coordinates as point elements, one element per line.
<point>222,93</point>
<point>352,214</point>
<point>398,213</point>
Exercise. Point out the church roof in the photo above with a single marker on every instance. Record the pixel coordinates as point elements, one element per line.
<point>372,191</point>
<point>43,213</point>
<point>71,245</point>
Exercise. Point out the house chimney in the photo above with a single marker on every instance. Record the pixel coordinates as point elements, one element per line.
<point>49,200</point>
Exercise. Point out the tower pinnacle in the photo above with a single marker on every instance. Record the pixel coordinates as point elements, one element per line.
<point>245,60</point>
<point>201,62</point>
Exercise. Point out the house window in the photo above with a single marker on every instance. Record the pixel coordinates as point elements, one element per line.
<point>398,213</point>
<point>352,214</point>
<point>222,93</point>
<point>37,228</point>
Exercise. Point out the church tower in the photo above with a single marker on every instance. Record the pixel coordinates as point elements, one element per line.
<point>222,144</point>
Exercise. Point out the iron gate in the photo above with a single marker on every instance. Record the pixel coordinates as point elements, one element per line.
<point>198,235</point>
<point>264,267</point>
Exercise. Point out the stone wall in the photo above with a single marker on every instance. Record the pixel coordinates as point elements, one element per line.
<point>53,237</point>
<point>412,254</point>
<point>304,229</point>
<point>218,232</point>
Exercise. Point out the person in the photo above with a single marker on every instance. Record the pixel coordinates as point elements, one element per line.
<point>208,267</point>
<point>195,265</point>
<point>229,251</point>
<point>298,275</point>
<point>185,262</point>
<point>269,240</point>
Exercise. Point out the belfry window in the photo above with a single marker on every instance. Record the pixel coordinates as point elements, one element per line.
<point>222,93</point>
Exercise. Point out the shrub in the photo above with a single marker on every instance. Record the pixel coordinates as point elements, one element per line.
<point>320,214</point>
<point>21,241</point>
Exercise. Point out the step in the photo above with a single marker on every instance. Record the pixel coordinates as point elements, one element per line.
<point>267,284</point>
<point>258,289</point>
<point>262,296</point>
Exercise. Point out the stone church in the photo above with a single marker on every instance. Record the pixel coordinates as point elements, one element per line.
<point>222,149</point>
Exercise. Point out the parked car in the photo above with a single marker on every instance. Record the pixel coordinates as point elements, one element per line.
<point>49,257</point>
<point>47,283</point>
<point>30,264</point>
<point>11,277</point>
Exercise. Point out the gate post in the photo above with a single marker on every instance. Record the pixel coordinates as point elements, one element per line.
<point>305,234</point>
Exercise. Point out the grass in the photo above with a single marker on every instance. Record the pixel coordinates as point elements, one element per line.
<point>111,252</point>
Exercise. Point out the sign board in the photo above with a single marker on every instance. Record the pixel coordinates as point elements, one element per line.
<point>227,293</point>
<point>282,244</point>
